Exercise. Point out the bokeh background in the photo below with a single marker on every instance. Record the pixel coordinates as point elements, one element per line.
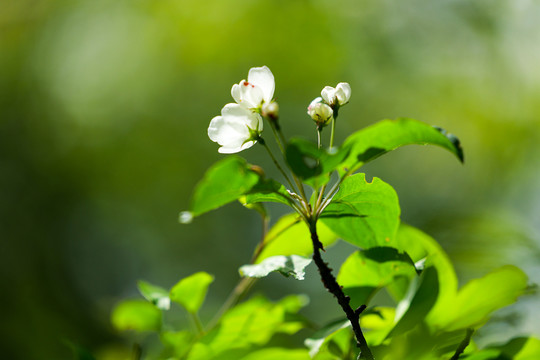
<point>104,107</point>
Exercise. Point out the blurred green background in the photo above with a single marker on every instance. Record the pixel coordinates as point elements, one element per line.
<point>104,107</point>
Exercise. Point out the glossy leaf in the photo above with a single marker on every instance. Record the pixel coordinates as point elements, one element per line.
<point>315,342</point>
<point>267,190</point>
<point>293,265</point>
<point>290,236</point>
<point>138,315</point>
<point>308,161</point>
<point>422,246</point>
<point>422,295</point>
<point>480,297</point>
<point>366,214</point>
<point>378,321</point>
<point>155,294</point>
<point>223,183</point>
<point>387,135</point>
<point>364,272</point>
<point>191,291</point>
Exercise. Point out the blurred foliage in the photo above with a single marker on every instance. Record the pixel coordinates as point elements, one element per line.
<point>104,107</point>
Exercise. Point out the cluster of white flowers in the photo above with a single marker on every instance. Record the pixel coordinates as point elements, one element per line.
<point>240,125</point>
<point>322,108</point>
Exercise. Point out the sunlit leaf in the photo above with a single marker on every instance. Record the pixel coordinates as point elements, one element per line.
<point>521,348</point>
<point>290,236</point>
<point>191,291</point>
<point>324,335</point>
<point>480,297</point>
<point>155,294</point>
<point>138,315</point>
<point>366,214</point>
<point>372,269</point>
<point>419,246</point>
<point>378,322</point>
<point>178,341</point>
<point>278,353</point>
<point>253,323</point>
<point>293,265</point>
<point>387,135</point>
<point>223,183</point>
<point>422,295</point>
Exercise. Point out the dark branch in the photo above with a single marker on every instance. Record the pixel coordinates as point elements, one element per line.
<point>333,287</point>
<point>463,345</point>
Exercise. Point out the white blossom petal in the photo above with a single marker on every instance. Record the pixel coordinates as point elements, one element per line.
<point>263,78</point>
<point>320,112</point>
<point>233,129</point>
<point>343,93</point>
<point>247,94</point>
<point>329,95</point>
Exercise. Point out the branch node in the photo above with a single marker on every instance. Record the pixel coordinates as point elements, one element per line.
<point>360,309</point>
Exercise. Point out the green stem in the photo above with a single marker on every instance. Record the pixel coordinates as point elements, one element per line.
<point>279,140</point>
<point>197,322</point>
<point>332,131</point>
<point>332,192</point>
<point>276,163</point>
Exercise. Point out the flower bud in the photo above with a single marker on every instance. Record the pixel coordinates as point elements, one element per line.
<point>270,110</point>
<point>320,112</point>
<point>340,95</point>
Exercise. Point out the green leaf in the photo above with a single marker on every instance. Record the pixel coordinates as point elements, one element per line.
<point>422,295</point>
<point>366,214</point>
<point>290,236</point>
<point>155,294</point>
<point>278,353</point>
<point>521,348</point>
<point>293,265</point>
<point>421,246</point>
<point>191,291</point>
<point>387,135</point>
<point>379,321</point>
<point>321,337</point>
<point>267,190</point>
<point>223,183</point>
<point>473,304</point>
<point>480,297</point>
<point>364,272</point>
<point>308,161</point>
<point>252,323</point>
<point>138,315</point>
<point>179,342</point>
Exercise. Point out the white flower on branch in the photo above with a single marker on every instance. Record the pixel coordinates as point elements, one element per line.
<point>257,90</point>
<point>340,95</point>
<point>320,112</point>
<point>236,129</point>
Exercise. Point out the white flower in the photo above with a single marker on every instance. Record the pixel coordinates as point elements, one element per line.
<point>258,89</point>
<point>340,95</point>
<point>320,112</point>
<point>236,129</point>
